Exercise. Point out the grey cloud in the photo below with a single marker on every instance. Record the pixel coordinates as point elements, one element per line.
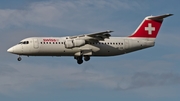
<point>6,69</point>
<point>19,77</point>
<point>146,79</point>
<point>173,56</point>
<point>60,14</point>
<point>165,39</point>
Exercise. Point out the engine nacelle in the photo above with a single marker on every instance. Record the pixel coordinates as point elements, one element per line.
<point>74,43</point>
<point>78,43</point>
<point>69,44</point>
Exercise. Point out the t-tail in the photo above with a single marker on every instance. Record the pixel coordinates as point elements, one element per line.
<point>149,27</point>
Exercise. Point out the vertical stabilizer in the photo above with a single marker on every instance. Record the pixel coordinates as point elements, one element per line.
<point>149,27</point>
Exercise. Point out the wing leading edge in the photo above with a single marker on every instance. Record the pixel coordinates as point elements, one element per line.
<point>97,36</point>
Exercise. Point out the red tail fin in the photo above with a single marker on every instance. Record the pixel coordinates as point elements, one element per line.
<point>150,26</point>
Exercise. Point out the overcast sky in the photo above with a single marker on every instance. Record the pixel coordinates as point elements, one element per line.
<point>148,75</point>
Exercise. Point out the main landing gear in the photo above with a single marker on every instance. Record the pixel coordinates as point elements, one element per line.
<point>80,60</point>
<point>86,58</point>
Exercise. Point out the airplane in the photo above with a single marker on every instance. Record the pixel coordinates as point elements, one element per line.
<point>82,47</point>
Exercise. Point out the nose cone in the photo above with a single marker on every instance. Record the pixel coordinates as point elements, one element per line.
<point>10,50</point>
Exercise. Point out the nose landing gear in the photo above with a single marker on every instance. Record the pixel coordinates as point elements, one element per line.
<point>19,58</point>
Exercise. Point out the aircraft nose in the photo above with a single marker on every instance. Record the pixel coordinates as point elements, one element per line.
<point>10,50</point>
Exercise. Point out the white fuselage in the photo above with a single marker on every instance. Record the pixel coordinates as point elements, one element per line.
<point>55,46</point>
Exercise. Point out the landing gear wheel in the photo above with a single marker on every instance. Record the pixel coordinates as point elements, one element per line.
<point>86,58</point>
<point>79,61</point>
<point>19,58</point>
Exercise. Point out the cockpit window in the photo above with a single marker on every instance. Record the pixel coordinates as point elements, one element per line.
<point>20,43</point>
<point>24,42</point>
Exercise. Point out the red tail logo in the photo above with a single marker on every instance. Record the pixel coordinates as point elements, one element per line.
<point>148,29</point>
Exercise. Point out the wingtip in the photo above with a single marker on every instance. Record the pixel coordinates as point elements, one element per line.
<point>109,31</point>
<point>170,14</point>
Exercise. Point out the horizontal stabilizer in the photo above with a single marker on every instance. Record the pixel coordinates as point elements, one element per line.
<point>160,17</point>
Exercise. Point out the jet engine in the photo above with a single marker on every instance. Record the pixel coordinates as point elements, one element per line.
<point>74,43</point>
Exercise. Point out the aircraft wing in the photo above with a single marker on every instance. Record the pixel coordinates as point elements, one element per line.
<point>98,36</point>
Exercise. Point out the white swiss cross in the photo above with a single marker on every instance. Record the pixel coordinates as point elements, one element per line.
<point>149,28</point>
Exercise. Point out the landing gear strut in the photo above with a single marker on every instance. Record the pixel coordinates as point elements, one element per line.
<point>19,58</point>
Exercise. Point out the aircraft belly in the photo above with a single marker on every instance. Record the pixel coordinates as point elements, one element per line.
<point>106,50</point>
<point>108,53</point>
